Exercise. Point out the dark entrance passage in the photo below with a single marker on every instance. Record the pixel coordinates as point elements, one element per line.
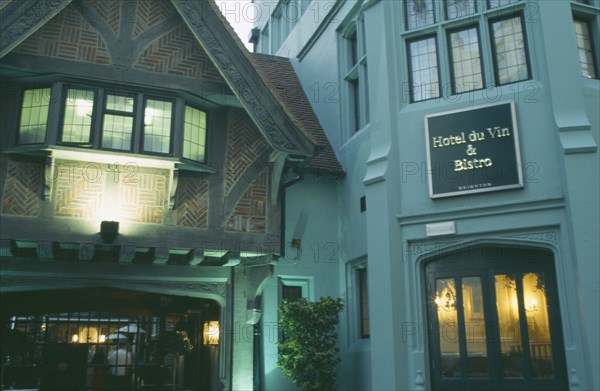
<point>494,321</point>
<point>100,339</point>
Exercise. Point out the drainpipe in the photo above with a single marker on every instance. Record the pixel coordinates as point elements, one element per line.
<point>298,171</point>
<point>257,354</point>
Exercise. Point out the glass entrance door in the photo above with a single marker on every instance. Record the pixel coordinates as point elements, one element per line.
<point>494,321</point>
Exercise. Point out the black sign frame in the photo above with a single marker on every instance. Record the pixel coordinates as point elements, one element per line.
<point>473,150</point>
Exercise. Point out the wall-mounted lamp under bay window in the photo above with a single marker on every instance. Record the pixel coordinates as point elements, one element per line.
<point>211,332</point>
<point>109,230</point>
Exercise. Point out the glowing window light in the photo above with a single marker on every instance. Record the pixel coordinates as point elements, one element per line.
<point>211,332</point>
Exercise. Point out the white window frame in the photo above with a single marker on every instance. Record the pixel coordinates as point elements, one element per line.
<point>355,115</point>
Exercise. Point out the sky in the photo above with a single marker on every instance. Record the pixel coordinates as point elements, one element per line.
<point>240,14</point>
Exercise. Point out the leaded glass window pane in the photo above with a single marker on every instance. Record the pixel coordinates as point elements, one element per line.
<point>459,8</point>
<point>34,116</point>
<point>584,47</point>
<point>466,60</point>
<point>509,51</point>
<point>77,120</point>
<point>157,126</point>
<point>419,13</point>
<point>117,132</point>
<point>424,69</point>
<point>194,134</point>
<point>117,128</point>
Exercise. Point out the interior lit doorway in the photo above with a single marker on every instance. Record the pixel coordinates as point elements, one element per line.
<point>494,320</point>
<point>108,340</point>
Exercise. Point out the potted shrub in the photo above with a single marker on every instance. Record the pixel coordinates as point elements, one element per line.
<point>308,347</point>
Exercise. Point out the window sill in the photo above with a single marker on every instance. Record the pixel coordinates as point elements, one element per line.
<point>107,157</point>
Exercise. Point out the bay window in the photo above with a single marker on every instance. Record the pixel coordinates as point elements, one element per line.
<point>99,118</point>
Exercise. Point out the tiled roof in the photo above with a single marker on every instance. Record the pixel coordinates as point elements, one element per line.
<point>279,75</point>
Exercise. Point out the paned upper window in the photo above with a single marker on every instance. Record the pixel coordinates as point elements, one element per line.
<point>194,134</point>
<point>157,126</point>
<point>426,35</point>
<point>465,57</point>
<point>585,48</point>
<point>424,72</point>
<point>356,76</point>
<point>510,53</point>
<point>34,116</point>
<point>117,127</point>
<point>77,117</point>
<point>103,119</point>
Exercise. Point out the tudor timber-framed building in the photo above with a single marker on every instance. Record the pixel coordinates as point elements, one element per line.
<point>144,153</point>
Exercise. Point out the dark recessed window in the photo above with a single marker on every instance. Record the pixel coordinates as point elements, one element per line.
<point>363,302</point>
<point>291,293</point>
<point>363,204</point>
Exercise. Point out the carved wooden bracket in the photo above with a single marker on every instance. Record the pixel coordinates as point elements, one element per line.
<point>127,253</point>
<point>197,257</point>
<point>45,250</point>
<point>48,180</point>
<point>161,255</point>
<point>173,181</point>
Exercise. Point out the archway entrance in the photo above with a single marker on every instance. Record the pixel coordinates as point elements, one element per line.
<point>494,320</point>
<point>107,339</point>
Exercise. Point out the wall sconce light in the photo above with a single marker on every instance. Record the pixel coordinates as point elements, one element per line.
<point>531,305</point>
<point>211,332</point>
<point>109,230</point>
<point>446,301</point>
<point>75,338</point>
<point>102,338</point>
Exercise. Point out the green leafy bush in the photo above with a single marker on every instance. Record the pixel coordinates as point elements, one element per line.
<point>308,349</point>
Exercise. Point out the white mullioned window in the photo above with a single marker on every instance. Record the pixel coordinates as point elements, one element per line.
<point>442,54</point>
<point>355,71</point>
<point>585,45</point>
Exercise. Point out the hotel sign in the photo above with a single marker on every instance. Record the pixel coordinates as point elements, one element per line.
<point>473,150</point>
